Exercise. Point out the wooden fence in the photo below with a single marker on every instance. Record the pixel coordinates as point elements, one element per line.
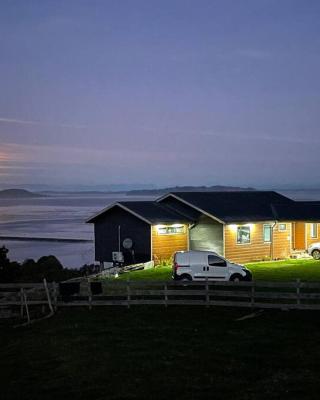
<point>258,294</point>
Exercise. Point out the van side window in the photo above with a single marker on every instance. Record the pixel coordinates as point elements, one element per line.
<point>216,261</point>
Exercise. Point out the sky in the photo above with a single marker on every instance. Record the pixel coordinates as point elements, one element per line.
<point>198,92</point>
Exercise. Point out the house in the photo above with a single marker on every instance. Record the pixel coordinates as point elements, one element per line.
<point>241,226</point>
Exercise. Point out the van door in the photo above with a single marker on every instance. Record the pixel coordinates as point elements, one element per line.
<point>199,265</point>
<point>218,268</point>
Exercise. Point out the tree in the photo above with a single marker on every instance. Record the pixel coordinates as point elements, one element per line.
<point>4,260</point>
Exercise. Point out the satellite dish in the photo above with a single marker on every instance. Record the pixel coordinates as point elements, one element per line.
<point>127,243</point>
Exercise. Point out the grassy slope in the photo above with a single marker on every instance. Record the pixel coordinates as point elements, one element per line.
<point>158,353</point>
<point>306,270</point>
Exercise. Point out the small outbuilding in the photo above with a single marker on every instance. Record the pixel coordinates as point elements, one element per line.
<point>141,230</point>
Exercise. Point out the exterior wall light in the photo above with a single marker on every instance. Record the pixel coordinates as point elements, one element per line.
<point>233,227</point>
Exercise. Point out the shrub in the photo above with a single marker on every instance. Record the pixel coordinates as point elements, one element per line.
<point>48,267</point>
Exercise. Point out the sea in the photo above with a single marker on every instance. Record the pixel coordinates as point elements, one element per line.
<point>55,224</point>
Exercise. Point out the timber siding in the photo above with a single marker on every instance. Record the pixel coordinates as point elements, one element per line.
<point>302,235</point>
<point>282,241</point>
<point>257,249</point>
<point>106,231</point>
<point>309,239</point>
<point>163,246</point>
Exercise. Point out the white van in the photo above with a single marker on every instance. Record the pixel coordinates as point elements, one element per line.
<point>202,265</point>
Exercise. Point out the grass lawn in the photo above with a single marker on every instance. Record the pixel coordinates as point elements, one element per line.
<point>158,353</point>
<point>306,270</point>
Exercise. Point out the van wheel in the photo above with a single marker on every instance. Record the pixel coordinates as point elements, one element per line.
<point>236,278</point>
<point>186,278</point>
<point>316,254</point>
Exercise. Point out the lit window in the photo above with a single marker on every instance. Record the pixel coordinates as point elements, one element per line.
<point>243,234</point>
<point>170,230</point>
<point>267,233</point>
<point>314,230</point>
<point>282,227</point>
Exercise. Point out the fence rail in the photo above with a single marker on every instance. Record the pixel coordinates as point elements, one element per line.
<point>257,294</point>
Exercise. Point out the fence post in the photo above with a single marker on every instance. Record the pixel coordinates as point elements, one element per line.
<point>55,295</point>
<point>26,305</point>
<point>252,294</point>
<point>128,293</point>
<point>166,294</point>
<point>48,295</point>
<point>89,294</point>
<point>207,293</point>
<point>21,303</point>
<point>298,291</point>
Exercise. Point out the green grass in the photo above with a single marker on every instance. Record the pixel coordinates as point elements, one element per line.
<point>157,353</point>
<point>288,270</point>
<point>306,270</point>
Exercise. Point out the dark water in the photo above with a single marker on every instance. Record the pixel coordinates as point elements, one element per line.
<point>64,216</point>
<point>302,195</point>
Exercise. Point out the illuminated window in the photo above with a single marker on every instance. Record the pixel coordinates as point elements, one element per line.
<point>267,231</point>
<point>170,230</point>
<point>314,230</point>
<point>243,234</point>
<point>282,227</point>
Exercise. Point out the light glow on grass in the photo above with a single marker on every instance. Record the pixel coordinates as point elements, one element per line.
<point>285,270</point>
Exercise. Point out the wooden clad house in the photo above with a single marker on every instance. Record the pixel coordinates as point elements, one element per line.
<point>305,218</point>
<point>155,231</point>
<point>241,226</point>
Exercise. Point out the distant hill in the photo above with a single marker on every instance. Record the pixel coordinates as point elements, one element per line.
<point>159,192</point>
<point>18,194</point>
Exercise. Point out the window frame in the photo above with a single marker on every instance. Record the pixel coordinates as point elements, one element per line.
<point>280,229</point>
<point>167,227</point>
<point>314,234</point>
<point>263,233</point>
<point>237,238</point>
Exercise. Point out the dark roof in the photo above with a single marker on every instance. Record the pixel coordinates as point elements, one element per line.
<point>155,212</point>
<point>228,207</point>
<point>298,211</point>
<point>150,211</point>
<point>238,206</point>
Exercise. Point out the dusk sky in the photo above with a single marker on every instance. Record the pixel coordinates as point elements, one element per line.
<point>161,92</point>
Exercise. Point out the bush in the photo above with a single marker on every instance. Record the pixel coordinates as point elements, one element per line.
<point>48,267</point>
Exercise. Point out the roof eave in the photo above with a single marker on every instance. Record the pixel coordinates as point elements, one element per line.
<point>93,219</point>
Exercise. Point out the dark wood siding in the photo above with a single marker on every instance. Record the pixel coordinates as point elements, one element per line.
<point>106,236</point>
